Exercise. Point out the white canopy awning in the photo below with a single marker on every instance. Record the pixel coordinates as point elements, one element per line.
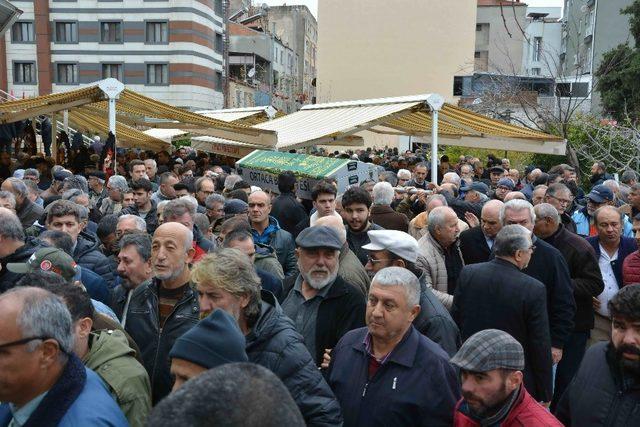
<point>234,114</point>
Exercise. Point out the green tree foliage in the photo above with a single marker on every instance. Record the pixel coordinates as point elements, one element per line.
<point>619,73</point>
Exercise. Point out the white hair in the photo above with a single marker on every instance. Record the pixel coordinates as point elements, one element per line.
<point>382,193</point>
<point>452,177</point>
<point>398,276</point>
<point>404,174</point>
<point>517,205</point>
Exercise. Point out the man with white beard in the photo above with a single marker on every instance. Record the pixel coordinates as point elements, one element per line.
<point>323,307</point>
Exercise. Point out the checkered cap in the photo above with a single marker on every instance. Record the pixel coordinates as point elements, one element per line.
<point>488,350</point>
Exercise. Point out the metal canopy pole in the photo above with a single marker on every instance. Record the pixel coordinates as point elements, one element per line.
<point>112,88</point>
<point>435,103</point>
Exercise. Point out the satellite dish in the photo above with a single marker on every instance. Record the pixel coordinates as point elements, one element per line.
<point>251,73</point>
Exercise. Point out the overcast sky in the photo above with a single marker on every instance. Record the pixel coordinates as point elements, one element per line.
<point>313,4</point>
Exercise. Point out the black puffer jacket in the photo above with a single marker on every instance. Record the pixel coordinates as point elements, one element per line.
<point>151,219</point>
<point>274,343</point>
<point>597,396</point>
<point>8,279</point>
<point>154,342</point>
<point>87,254</point>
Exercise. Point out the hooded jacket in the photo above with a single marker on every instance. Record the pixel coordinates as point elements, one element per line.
<point>87,254</point>
<point>114,361</point>
<point>267,260</point>
<point>275,344</point>
<point>283,243</point>
<point>22,254</point>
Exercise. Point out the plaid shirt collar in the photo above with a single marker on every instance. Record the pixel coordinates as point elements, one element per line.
<point>368,346</point>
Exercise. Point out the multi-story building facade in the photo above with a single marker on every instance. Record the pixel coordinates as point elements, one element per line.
<point>297,28</point>
<point>543,35</point>
<point>169,50</point>
<point>499,36</point>
<point>590,29</point>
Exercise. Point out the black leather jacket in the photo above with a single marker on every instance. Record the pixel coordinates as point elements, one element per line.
<point>155,342</point>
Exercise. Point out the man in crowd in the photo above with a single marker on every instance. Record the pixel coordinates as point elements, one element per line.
<point>475,196</point>
<point>137,170</point>
<point>498,295</point>
<point>476,243</point>
<point>491,364</point>
<point>213,341</point>
<point>611,250</point>
<point>214,205</point>
<point>134,270</point>
<point>8,201</point>
<point>204,188</point>
<point>382,213</point>
<point>117,187</point>
<point>267,231</point>
<point>442,260</point>
<point>286,208</point>
<point>323,196</point>
<point>13,247</point>
<point>504,186</point>
<point>151,168</point>
<point>391,248</point>
<point>356,203</point>
<point>599,174</point>
<point>547,265</point>
<point>97,190</point>
<point>606,389</point>
<point>419,177</point>
<point>42,381</point>
<point>143,205</point>
<point>166,190</point>
<point>598,197</point>
<point>390,357</point>
<point>55,189</point>
<point>225,279</point>
<point>166,307</point>
<point>560,197</point>
<point>587,284</point>
<point>538,194</point>
<point>322,306</point>
<point>107,353</point>
<point>28,212</point>
<point>183,210</point>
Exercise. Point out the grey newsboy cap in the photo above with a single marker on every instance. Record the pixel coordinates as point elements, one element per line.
<point>396,242</point>
<point>488,350</point>
<point>319,236</point>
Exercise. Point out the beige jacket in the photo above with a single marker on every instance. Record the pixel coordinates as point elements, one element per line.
<point>418,225</point>
<point>432,263</point>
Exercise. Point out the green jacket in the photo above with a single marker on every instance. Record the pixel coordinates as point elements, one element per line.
<point>114,361</point>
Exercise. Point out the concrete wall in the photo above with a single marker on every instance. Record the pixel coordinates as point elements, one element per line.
<point>377,48</point>
<point>504,47</point>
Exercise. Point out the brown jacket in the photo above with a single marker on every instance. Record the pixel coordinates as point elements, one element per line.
<point>387,218</point>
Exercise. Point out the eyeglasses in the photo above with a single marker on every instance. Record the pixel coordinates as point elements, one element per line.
<point>562,201</point>
<point>22,341</point>
<point>375,261</point>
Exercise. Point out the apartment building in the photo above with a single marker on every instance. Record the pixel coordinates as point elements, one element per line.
<point>542,43</point>
<point>500,28</point>
<point>590,28</point>
<point>169,50</point>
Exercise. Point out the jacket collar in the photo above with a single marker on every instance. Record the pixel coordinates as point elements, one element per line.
<point>404,353</point>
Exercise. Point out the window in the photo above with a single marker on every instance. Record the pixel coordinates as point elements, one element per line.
<point>112,70</point>
<point>24,72</point>
<point>110,32</point>
<point>66,32</point>
<point>476,54</point>
<point>22,32</point>
<point>537,48</point>
<point>218,81</point>
<point>478,27</point>
<point>457,86</point>
<point>219,46</point>
<point>535,71</point>
<point>580,90</point>
<point>157,32</point>
<point>157,74</point>
<point>67,73</point>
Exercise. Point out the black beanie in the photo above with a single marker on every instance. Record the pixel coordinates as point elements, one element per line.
<point>213,341</point>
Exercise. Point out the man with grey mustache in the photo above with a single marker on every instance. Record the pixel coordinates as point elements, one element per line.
<point>322,306</point>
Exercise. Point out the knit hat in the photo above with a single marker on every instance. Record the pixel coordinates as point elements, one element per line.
<point>213,341</point>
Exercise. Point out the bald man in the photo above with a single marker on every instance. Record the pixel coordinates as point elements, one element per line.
<point>163,309</point>
<point>350,268</point>
<point>266,230</point>
<point>477,242</point>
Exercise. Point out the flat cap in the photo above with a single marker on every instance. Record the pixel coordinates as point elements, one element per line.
<point>600,194</point>
<point>506,182</point>
<point>497,169</point>
<point>478,186</point>
<point>397,242</point>
<point>235,206</point>
<point>98,174</point>
<point>488,350</point>
<point>62,175</point>
<point>319,236</point>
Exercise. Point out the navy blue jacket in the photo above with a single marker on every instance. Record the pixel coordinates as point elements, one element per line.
<point>270,283</point>
<point>96,286</point>
<point>416,386</point>
<point>627,246</point>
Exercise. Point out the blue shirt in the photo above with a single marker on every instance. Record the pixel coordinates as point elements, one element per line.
<point>21,415</point>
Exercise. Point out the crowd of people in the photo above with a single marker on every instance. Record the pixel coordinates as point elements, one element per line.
<point>163,289</point>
